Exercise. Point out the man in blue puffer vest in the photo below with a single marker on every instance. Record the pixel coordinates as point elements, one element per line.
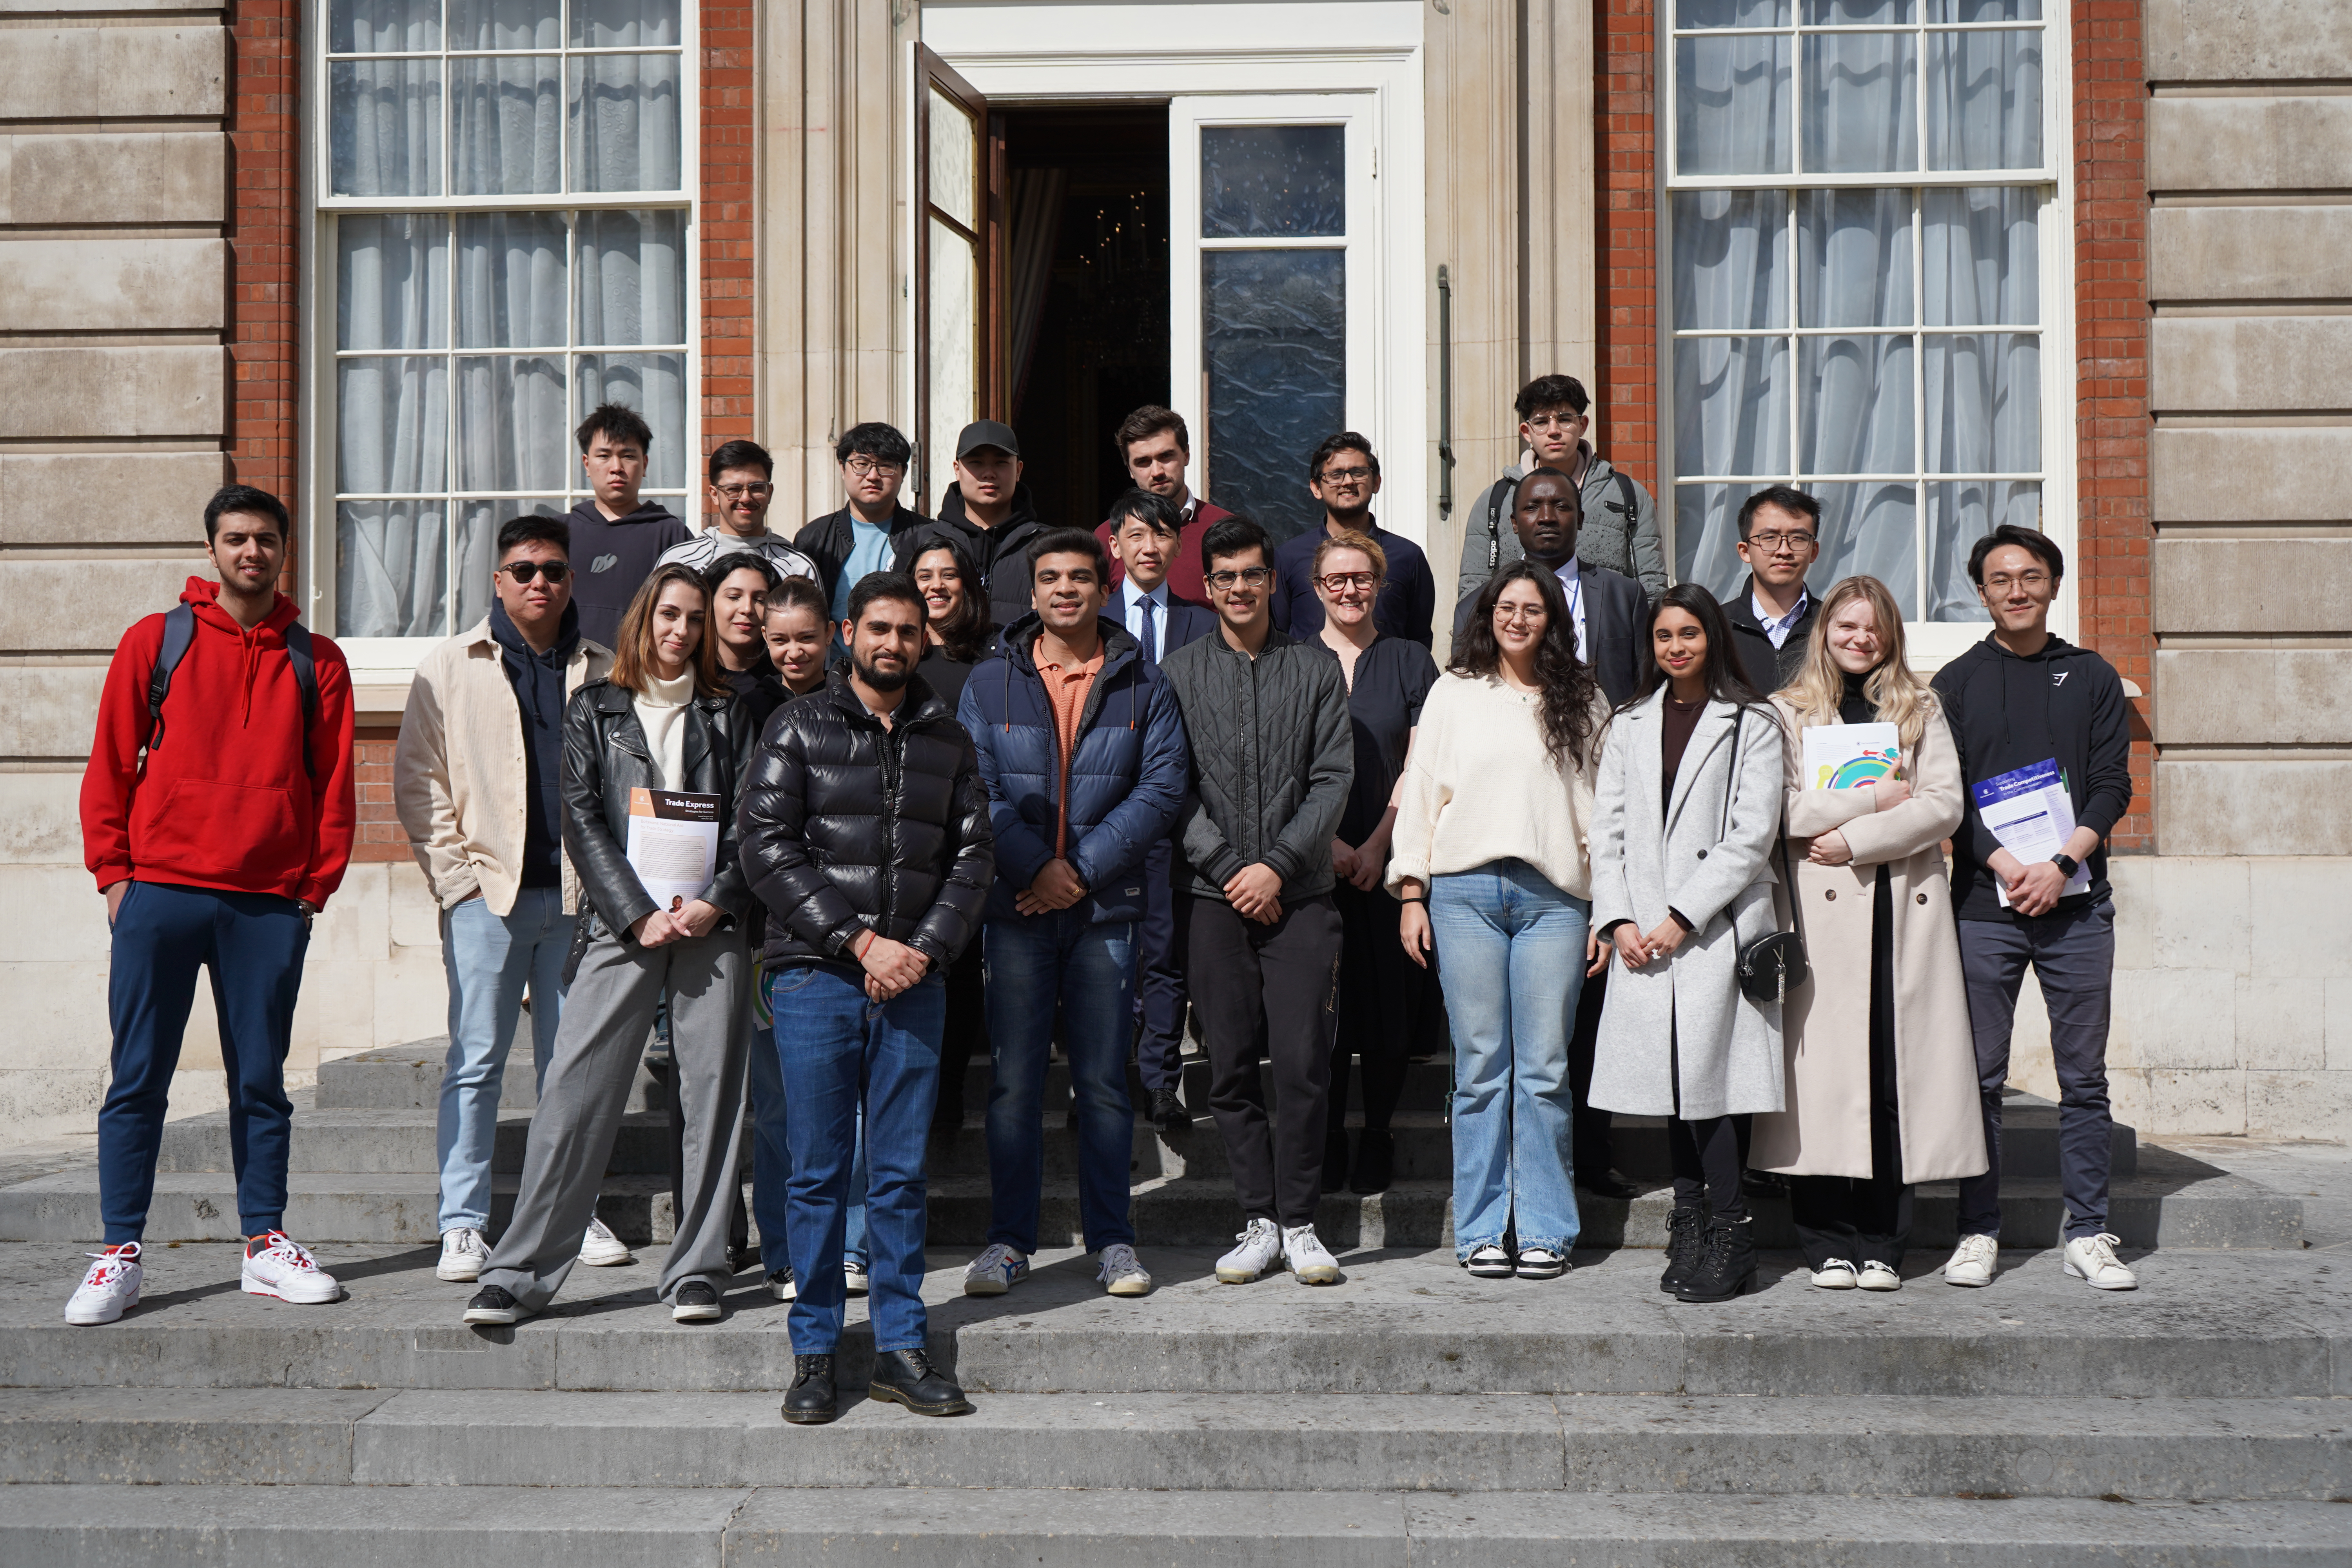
<point>1085,760</point>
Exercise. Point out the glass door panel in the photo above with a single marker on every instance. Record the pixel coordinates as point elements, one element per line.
<point>954,247</point>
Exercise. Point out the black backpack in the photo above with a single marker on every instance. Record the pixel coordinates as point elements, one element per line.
<point>1625,504</point>
<point>180,634</point>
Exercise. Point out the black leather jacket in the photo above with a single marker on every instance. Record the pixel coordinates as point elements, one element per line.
<point>846,826</point>
<point>604,757</point>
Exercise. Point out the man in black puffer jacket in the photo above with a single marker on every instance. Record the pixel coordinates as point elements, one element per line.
<point>864,831</point>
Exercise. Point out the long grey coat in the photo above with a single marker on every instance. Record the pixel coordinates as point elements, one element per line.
<point>1687,1011</point>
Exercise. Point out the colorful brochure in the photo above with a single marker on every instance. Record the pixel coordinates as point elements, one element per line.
<point>2030,812</point>
<point>1847,756</point>
<point>673,844</point>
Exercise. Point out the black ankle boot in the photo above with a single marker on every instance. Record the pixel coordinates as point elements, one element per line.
<point>908,1378</point>
<point>1728,1269</point>
<point>1375,1160</point>
<point>1685,1245</point>
<point>1335,1160</point>
<point>810,1401</point>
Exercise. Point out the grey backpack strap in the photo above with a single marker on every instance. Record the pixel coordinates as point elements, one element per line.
<point>179,635</point>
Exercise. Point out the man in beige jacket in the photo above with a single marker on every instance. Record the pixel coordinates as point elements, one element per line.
<point>477,780</point>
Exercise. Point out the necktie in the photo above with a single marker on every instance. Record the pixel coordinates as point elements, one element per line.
<point>1150,640</point>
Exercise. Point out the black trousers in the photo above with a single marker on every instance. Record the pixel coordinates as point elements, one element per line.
<point>1705,1155</point>
<point>1865,1220</point>
<point>1159,980</point>
<point>966,1035</point>
<point>1590,1144</point>
<point>1285,977</point>
<point>1376,1005</point>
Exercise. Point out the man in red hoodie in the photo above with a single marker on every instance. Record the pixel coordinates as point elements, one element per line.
<point>217,828</point>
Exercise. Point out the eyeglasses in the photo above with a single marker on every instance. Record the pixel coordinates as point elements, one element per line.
<point>1253,576</point>
<point>867,468</point>
<point>1522,615</point>
<point>1555,421</point>
<point>1794,542</point>
<point>524,571</point>
<point>1346,476</point>
<point>2032,582</point>
<point>1341,582</point>
<point>743,492</point>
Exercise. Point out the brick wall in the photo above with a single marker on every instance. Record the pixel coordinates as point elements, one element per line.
<point>729,142</point>
<point>1625,228</point>
<point>265,257</point>
<point>380,836</point>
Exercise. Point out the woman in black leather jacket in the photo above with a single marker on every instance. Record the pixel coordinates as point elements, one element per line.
<point>659,723</point>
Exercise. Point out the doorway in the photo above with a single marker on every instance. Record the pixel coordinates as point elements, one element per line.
<point>1086,293</point>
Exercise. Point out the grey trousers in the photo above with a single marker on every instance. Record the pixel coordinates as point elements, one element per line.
<point>606,1016</point>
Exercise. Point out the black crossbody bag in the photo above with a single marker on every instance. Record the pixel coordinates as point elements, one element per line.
<point>1774,963</point>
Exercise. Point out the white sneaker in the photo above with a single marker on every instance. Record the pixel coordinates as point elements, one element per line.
<point>464,1253</point>
<point>782,1286</point>
<point>997,1270</point>
<point>1261,1244</point>
<point>1490,1262</point>
<point>1541,1263</point>
<point>856,1280</point>
<point>1836,1274</point>
<point>1974,1262</point>
<point>285,1269</point>
<point>1877,1276</point>
<point>1309,1263</point>
<point>110,1289</point>
<point>1123,1273</point>
<point>2091,1260</point>
<point>599,1248</point>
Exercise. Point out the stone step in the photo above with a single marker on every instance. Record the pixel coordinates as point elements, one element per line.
<point>350,1141</point>
<point>600,1527</point>
<point>2237,1449</point>
<point>2202,1325</point>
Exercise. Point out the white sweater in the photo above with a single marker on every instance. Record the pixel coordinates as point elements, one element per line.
<point>1480,786</point>
<point>661,706</point>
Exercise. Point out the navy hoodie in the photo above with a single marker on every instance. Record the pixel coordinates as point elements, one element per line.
<point>2007,712</point>
<point>610,559</point>
<point>538,682</point>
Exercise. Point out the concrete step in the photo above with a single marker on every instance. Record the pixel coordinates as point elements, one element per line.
<point>599,1526</point>
<point>2240,1449</point>
<point>408,1078</point>
<point>349,1141</point>
<point>2202,1325</point>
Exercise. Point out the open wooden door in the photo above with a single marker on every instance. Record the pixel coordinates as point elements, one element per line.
<point>959,181</point>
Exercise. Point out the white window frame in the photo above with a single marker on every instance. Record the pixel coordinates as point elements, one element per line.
<point>1930,642</point>
<point>391,660</point>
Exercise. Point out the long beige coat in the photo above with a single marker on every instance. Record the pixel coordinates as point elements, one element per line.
<point>1825,1131</point>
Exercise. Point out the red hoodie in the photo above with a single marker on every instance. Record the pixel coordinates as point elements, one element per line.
<point>225,802</point>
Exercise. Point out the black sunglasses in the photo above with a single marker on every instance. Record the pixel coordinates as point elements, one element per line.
<point>524,571</point>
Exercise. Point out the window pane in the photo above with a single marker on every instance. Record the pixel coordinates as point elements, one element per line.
<point>653,384</point>
<point>1870,531</point>
<point>955,161</point>
<point>1861,108</point>
<point>1857,13</point>
<point>1984,403</point>
<point>1272,179</point>
<point>1731,14</point>
<point>1730,255</point>
<point>633,278</point>
<point>391,569</point>
<point>625,123</point>
<point>1857,413</point>
<point>954,346</point>
<point>1984,101</point>
<point>1707,536</point>
<point>1957,516</point>
<point>513,426</point>
<point>1984,10</point>
<point>509,280</point>
<point>1731,405</point>
<point>505,24</point>
<point>623,24</point>
<point>1731,105</point>
<point>1274,339</point>
<point>478,523</point>
<point>1983,256</point>
<point>385,139</point>
<point>505,118</point>
<point>1853,254</point>
<point>391,282</point>
<point>382,27</point>
<point>392,419</point>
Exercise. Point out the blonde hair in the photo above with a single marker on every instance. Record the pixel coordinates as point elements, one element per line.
<point>1348,539</point>
<point>1902,699</point>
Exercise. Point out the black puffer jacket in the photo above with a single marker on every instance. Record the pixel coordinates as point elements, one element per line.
<point>604,757</point>
<point>846,826</point>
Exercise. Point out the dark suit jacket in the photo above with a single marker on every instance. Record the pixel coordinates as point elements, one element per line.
<point>1615,611</point>
<point>1187,622</point>
<point>1768,669</point>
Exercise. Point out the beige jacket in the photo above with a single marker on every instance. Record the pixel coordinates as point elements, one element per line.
<point>1825,1131</point>
<point>458,774</point>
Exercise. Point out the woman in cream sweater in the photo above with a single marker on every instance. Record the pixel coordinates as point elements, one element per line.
<point>1489,857</point>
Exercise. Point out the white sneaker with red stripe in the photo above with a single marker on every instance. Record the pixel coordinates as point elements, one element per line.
<point>110,1289</point>
<point>285,1269</point>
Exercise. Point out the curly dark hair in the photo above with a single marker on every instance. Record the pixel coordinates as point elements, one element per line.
<point>968,632</point>
<point>1566,681</point>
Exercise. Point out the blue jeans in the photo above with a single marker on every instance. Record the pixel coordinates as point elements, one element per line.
<point>841,1052</point>
<point>1036,963</point>
<point>771,1150</point>
<point>487,958</point>
<point>1512,948</point>
<point>254,944</point>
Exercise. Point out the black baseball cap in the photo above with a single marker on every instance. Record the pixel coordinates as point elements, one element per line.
<point>988,433</point>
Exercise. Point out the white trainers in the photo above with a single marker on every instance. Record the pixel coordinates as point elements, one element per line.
<point>1260,1244</point>
<point>1490,1262</point>
<point>781,1284</point>
<point>110,1289</point>
<point>1877,1276</point>
<point>285,1269</point>
<point>854,1280</point>
<point>1541,1263</point>
<point>1309,1263</point>
<point>1974,1262</point>
<point>1836,1274</point>
<point>2091,1260</point>
<point>997,1270</point>
<point>1123,1273</point>
<point>599,1248</point>
<point>464,1253</point>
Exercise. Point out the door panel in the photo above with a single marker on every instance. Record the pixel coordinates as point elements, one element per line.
<point>955,243</point>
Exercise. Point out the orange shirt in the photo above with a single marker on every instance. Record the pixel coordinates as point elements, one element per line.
<point>1066,686</point>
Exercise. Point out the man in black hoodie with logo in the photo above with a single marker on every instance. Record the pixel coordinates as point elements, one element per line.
<point>2021,698</point>
<point>615,538</point>
<point>988,514</point>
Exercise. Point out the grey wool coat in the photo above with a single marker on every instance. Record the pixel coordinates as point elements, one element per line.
<point>1687,1011</point>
